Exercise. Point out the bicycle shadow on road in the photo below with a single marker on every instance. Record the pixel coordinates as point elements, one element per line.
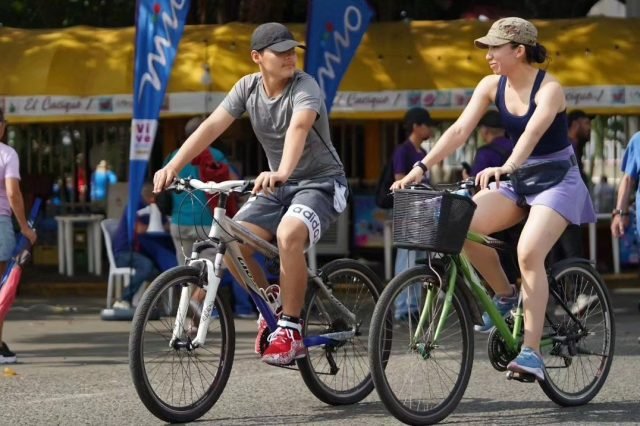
<point>321,414</point>
<point>79,348</point>
<point>484,411</point>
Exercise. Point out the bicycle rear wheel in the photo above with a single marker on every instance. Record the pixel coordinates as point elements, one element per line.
<point>423,380</point>
<point>339,374</point>
<point>178,383</point>
<point>578,361</point>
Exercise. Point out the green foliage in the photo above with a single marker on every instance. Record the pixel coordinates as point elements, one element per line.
<point>119,13</point>
<point>65,13</point>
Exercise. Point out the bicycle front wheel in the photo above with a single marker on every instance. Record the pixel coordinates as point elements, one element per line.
<point>579,351</point>
<point>339,374</point>
<point>179,383</point>
<point>427,368</point>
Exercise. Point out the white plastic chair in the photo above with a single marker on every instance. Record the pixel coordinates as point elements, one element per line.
<point>120,276</point>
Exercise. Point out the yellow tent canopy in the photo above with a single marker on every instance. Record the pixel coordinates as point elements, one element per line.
<point>87,73</point>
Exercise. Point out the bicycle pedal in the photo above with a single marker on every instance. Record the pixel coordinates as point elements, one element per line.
<point>521,377</point>
<point>291,366</point>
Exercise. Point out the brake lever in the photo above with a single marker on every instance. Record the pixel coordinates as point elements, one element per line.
<point>178,185</point>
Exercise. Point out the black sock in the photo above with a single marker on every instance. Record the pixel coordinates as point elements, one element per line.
<point>294,320</point>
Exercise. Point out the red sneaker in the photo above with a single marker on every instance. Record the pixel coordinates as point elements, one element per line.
<point>285,344</point>
<point>272,294</point>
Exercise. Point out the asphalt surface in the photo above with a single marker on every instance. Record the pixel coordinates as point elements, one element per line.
<point>73,369</point>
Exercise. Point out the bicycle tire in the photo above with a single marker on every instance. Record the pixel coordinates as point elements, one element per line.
<point>151,307</point>
<point>594,309</point>
<point>345,277</point>
<point>409,410</point>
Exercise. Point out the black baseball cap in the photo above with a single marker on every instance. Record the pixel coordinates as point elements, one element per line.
<point>274,36</point>
<point>577,114</point>
<point>417,115</point>
<point>491,119</point>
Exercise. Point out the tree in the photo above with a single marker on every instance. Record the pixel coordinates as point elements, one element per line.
<point>65,13</point>
<point>119,13</point>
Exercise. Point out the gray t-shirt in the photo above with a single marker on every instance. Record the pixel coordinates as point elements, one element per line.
<point>270,120</point>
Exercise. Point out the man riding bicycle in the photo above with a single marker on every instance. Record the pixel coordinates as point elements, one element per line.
<point>305,189</point>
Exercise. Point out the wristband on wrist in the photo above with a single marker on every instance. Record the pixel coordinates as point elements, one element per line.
<point>421,165</point>
<point>620,212</point>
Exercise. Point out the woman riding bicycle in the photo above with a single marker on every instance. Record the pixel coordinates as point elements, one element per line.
<point>532,109</point>
<point>289,118</point>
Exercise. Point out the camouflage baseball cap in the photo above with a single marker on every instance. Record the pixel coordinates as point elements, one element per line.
<point>506,30</point>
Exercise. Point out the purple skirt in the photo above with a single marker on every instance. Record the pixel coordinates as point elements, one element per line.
<point>570,198</point>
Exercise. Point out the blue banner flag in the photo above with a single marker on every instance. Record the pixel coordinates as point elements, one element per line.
<point>159,27</point>
<point>334,31</point>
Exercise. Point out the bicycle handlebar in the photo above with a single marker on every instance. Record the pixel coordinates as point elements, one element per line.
<point>451,187</point>
<point>469,183</point>
<point>228,186</point>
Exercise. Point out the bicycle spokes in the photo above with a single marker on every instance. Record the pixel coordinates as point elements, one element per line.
<point>577,344</point>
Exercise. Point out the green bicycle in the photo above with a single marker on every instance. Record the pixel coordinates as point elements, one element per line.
<point>421,364</point>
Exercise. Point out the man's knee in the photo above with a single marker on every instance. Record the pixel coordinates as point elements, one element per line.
<point>292,236</point>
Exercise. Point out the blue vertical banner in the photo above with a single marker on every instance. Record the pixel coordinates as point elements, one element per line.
<point>334,32</point>
<point>159,27</point>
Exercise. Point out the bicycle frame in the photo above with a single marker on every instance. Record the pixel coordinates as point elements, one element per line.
<point>228,235</point>
<point>461,266</point>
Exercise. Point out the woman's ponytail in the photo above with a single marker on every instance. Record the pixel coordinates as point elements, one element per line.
<point>538,54</point>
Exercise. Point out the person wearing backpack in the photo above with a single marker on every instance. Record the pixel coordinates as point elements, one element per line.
<point>417,125</point>
<point>497,147</point>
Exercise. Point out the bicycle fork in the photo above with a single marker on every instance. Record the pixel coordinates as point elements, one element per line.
<point>214,273</point>
<point>430,303</point>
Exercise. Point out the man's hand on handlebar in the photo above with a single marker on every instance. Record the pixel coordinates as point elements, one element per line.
<point>267,182</point>
<point>163,178</point>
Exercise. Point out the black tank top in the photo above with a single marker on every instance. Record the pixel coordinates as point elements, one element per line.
<point>554,139</point>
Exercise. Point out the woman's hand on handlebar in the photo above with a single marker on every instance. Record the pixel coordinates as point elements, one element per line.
<point>163,178</point>
<point>485,176</point>
<point>267,182</point>
<point>413,177</point>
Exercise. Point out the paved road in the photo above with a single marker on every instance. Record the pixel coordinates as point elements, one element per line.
<point>73,370</point>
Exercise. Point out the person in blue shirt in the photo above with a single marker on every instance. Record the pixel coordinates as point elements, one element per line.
<point>191,219</point>
<point>631,169</point>
<point>101,179</point>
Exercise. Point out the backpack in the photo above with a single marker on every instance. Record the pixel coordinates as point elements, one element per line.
<point>215,171</point>
<point>384,197</point>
